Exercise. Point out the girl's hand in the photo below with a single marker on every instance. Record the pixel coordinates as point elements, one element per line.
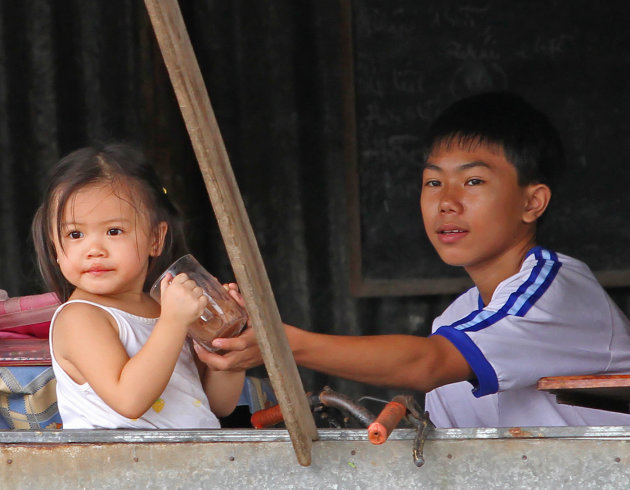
<point>232,289</point>
<point>182,300</point>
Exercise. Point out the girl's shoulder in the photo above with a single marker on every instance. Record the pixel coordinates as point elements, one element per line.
<point>79,312</point>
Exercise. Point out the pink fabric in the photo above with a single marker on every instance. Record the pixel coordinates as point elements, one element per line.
<point>8,334</point>
<point>27,316</point>
<point>32,302</point>
<point>37,330</point>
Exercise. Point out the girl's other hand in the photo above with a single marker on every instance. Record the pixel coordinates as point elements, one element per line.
<point>232,289</point>
<point>182,300</point>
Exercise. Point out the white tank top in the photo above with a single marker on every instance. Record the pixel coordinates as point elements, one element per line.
<point>182,405</point>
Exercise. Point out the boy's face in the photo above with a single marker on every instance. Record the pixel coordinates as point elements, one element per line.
<point>473,208</point>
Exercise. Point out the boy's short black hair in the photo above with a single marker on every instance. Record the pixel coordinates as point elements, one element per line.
<point>529,140</point>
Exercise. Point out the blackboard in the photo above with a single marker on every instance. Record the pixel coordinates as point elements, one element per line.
<point>408,60</point>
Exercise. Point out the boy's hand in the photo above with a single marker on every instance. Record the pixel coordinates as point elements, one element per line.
<point>182,300</point>
<point>239,353</point>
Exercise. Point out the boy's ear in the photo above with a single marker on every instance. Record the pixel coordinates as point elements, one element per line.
<point>538,197</point>
<point>158,239</point>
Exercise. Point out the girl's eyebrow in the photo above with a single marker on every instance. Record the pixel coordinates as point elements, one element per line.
<point>105,222</point>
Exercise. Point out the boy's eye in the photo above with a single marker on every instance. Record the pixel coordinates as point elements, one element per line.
<point>474,182</point>
<point>432,183</point>
<point>75,235</point>
<point>114,231</point>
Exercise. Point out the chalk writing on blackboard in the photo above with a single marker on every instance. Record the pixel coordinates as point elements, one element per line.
<point>412,59</point>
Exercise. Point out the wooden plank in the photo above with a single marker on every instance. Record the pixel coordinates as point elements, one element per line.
<point>234,224</point>
<point>585,381</point>
<point>602,391</point>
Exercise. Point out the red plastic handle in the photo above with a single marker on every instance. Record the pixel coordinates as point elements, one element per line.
<point>267,417</point>
<point>387,420</point>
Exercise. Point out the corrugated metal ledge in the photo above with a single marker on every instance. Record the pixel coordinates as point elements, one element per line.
<point>535,457</point>
<point>70,436</point>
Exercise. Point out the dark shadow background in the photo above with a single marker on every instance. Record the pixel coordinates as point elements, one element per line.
<point>76,71</point>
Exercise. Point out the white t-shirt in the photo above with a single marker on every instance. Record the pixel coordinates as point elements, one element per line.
<point>182,405</point>
<point>552,318</point>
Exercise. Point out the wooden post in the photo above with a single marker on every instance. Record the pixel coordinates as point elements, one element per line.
<point>234,224</point>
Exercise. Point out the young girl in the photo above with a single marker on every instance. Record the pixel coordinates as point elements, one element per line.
<point>103,234</point>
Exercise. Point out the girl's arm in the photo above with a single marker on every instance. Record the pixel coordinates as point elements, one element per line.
<point>223,388</point>
<point>87,346</point>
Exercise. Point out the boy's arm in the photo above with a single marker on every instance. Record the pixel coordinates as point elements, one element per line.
<point>402,361</point>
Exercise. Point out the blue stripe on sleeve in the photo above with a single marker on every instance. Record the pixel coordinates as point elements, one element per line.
<point>487,382</point>
<point>517,304</point>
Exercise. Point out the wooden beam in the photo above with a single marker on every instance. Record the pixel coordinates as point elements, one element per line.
<point>234,224</point>
<point>600,391</point>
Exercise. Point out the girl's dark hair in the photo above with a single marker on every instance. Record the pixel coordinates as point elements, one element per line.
<point>120,165</point>
<point>529,140</point>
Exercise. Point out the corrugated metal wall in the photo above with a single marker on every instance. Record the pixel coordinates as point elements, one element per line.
<point>76,71</point>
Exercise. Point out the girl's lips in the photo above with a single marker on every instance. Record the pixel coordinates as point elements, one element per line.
<point>97,271</point>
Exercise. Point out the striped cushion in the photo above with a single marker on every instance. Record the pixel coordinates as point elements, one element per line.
<point>28,399</point>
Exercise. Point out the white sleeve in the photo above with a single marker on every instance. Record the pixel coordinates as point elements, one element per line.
<point>547,320</point>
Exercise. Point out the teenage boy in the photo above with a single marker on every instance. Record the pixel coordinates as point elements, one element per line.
<point>491,163</point>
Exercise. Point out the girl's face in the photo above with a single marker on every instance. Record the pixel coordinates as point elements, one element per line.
<point>105,243</point>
